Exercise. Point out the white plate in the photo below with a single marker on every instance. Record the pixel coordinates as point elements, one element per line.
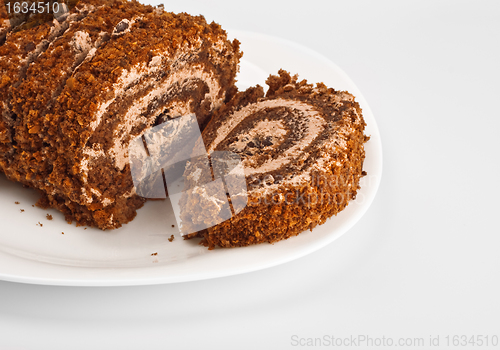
<point>37,254</point>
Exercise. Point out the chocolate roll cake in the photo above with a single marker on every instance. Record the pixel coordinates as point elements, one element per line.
<point>302,150</point>
<point>80,95</point>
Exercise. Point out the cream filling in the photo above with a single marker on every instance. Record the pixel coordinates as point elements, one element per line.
<point>238,116</point>
<point>315,125</point>
<point>274,128</point>
<point>124,81</point>
<point>81,42</point>
<point>89,153</point>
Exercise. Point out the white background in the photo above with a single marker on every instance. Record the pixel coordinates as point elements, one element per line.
<point>423,261</point>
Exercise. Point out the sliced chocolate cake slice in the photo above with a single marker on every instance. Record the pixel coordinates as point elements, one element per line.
<point>302,150</point>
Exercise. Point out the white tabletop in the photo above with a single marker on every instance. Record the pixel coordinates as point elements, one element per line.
<point>422,263</point>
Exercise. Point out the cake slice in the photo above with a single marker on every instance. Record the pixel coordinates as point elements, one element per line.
<point>120,71</point>
<point>301,149</point>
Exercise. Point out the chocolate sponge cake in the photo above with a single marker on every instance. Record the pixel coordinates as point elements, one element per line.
<point>302,150</point>
<point>74,98</point>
